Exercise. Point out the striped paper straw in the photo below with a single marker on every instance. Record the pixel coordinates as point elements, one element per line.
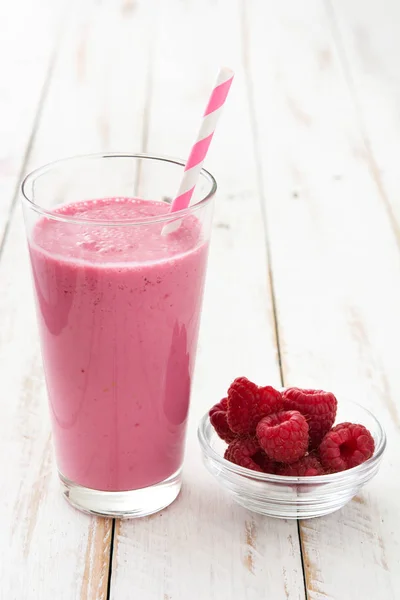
<point>199,150</point>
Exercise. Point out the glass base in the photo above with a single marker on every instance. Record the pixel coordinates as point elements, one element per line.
<point>123,505</point>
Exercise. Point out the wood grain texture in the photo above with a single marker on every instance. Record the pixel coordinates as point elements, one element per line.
<point>367,38</point>
<point>204,546</point>
<point>336,271</point>
<point>29,32</point>
<point>47,549</point>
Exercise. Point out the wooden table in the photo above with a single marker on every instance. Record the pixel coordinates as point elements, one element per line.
<point>303,285</point>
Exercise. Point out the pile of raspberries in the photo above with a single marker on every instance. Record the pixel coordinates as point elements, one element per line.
<point>287,433</point>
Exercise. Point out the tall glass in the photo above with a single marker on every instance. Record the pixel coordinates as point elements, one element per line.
<point>118,302</point>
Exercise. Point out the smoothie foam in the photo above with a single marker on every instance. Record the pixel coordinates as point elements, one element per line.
<point>119,310</point>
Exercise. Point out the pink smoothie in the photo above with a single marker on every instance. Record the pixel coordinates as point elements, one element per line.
<point>119,311</point>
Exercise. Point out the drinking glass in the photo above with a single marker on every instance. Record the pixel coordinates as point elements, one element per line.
<point>118,298</point>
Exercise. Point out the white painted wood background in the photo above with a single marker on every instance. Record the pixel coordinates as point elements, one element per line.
<point>303,285</point>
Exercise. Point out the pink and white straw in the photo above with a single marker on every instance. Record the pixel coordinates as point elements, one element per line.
<point>199,150</point>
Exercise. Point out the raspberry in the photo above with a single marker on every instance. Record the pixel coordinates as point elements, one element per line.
<point>248,403</point>
<point>242,451</point>
<point>267,465</point>
<point>221,406</point>
<point>345,446</point>
<point>317,406</point>
<point>283,436</point>
<point>308,466</point>
<point>219,421</point>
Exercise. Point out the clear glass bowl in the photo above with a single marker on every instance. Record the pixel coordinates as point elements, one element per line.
<point>293,497</point>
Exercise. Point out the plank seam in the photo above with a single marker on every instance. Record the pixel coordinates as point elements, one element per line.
<point>110,569</point>
<point>35,125</point>
<point>262,196</point>
<point>144,148</point>
<point>349,80</point>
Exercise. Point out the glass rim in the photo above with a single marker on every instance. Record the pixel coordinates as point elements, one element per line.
<point>53,214</point>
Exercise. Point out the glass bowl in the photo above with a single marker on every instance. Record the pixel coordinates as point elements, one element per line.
<point>293,497</point>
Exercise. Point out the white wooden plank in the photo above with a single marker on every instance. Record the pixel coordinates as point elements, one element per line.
<point>367,36</point>
<point>28,35</point>
<point>336,272</point>
<point>204,546</point>
<point>47,549</point>
<point>98,95</point>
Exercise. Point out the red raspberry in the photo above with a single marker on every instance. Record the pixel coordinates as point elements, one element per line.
<point>241,452</point>
<point>308,466</point>
<point>219,421</point>
<point>248,403</point>
<point>283,436</point>
<point>220,406</point>
<point>345,446</point>
<point>317,406</point>
<point>267,465</point>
